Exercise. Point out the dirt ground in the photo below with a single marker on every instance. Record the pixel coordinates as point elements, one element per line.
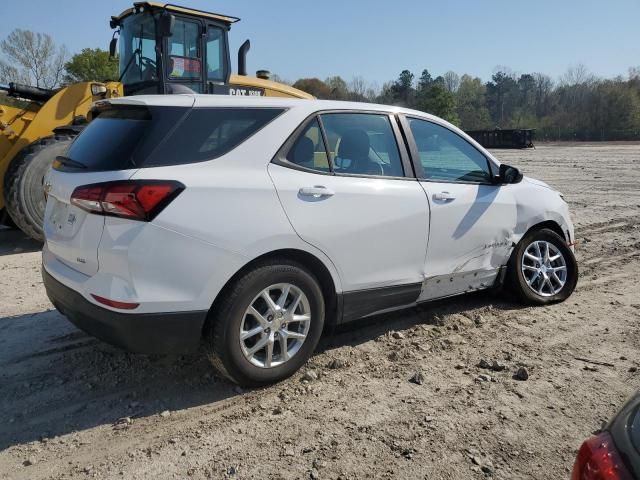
<point>74,407</point>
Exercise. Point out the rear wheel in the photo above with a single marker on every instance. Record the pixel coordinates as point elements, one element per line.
<point>543,268</point>
<point>267,325</point>
<point>24,183</point>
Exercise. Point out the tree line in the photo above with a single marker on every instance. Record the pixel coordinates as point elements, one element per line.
<point>577,106</point>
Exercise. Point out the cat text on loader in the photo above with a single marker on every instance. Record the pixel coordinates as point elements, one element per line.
<point>162,49</point>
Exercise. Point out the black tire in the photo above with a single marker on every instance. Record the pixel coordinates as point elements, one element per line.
<point>23,183</point>
<point>517,281</point>
<point>6,221</point>
<point>223,338</point>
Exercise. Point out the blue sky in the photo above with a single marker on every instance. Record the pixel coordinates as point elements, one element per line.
<point>377,38</point>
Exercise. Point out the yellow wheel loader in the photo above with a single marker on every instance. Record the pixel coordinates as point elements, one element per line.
<point>163,49</point>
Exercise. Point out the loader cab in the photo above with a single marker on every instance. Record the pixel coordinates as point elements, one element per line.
<point>169,49</point>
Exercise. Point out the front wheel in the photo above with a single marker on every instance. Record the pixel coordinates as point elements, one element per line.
<point>542,268</point>
<point>267,325</point>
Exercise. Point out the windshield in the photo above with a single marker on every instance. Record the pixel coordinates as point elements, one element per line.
<point>137,60</point>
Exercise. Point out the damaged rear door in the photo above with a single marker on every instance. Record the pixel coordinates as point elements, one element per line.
<point>472,219</point>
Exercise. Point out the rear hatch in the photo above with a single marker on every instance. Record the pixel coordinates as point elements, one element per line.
<point>128,137</point>
<point>112,147</point>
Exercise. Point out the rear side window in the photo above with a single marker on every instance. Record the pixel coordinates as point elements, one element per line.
<point>135,137</point>
<point>209,133</point>
<point>113,139</point>
<point>308,150</point>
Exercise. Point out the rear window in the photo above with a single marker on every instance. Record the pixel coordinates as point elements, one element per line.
<point>136,137</point>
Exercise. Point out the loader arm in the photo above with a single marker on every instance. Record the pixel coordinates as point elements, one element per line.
<point>20,127</point>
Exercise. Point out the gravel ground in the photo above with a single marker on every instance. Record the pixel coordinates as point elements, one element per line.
<point>399,397</point>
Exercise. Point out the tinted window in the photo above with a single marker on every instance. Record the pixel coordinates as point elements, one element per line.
<point>362,143</point>
<point>111,140</point>
<point>447,156</point>
<point>208,133</point>
<point>122,138</point>
<point>308,150</point>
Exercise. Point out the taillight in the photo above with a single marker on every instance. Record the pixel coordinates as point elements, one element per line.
<point>134,199</point>
<point>598,459</point>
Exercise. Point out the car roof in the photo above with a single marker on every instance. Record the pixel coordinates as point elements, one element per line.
<point>306,105</point>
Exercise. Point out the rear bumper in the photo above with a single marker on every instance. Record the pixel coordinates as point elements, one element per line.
<point>174,332</point>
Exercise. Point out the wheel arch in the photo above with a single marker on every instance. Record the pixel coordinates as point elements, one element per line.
<point>304,258</point>
<point>551,225</point>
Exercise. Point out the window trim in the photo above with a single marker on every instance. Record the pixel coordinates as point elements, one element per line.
<point>280,158</point>
<point>415,154</point>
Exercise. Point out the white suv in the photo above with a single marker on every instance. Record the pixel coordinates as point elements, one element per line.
<point>250,224</point>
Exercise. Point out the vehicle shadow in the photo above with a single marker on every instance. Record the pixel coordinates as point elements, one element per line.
<point>14,241</point>
<point>55,379</point>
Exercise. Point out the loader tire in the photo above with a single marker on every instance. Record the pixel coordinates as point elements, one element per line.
<point>23,183</point>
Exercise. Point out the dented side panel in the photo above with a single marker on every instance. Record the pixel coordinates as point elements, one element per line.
<point>472,230</point>
<point>473,233</point>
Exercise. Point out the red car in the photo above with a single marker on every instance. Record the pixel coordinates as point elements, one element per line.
<point>614,453</point>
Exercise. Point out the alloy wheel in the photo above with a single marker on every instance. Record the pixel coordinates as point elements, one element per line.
<point>544,268</point>
<point>275,325</point>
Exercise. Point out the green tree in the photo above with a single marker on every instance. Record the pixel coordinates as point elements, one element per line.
<point>402,91</point>
<point>425,80</point>
<point>314,86</point>
<point>91,64</point>
<point>471,105</point>
<point>438,101</point>
<point>502,97</point>
<point>432,96</point>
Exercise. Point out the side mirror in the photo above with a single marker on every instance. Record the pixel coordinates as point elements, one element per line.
<point>509,174</point>
<point>113,47</point>
<point>165,24</point>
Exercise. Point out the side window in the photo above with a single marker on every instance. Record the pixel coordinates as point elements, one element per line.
<point>308,150</point>
<point>209,133</point>
<point>215,51</point>
<point>184,57</point>
<point>447,156</point>
<point>362,143</point>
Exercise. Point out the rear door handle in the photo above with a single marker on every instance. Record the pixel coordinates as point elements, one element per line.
<point>443,196</point>
<point>316,191</point>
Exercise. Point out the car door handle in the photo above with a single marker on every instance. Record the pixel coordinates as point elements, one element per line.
<point>443,196</point>
<point>316,191</point>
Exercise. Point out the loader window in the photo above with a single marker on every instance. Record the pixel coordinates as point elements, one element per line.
<point>185,60</point>
<point>216,54</point>
<point>137,59</point>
